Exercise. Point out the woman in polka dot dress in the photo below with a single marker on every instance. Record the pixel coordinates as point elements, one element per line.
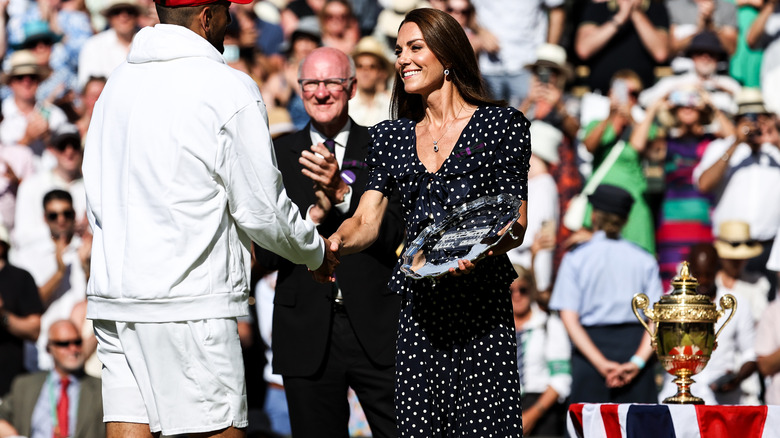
<point>456,370</point>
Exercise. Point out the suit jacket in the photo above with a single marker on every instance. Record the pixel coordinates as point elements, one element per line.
<point>303,307</point>
<point>18,405</point>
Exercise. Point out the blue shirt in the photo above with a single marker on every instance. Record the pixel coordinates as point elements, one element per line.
<point>599,279</point>
<point>45,412</point>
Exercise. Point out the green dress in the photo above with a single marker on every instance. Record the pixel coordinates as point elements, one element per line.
<point>627,174</point>
<point>745,65</point>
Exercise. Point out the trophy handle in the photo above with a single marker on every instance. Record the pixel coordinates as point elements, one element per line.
<point>641,301</point>
<point>726,302</point>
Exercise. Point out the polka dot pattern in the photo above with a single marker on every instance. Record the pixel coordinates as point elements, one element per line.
<point>456,371</point>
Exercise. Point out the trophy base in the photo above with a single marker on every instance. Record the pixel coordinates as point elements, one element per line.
<point>684,396</point>
<point>684,399</point>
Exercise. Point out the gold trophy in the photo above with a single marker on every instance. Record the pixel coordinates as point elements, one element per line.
<point>685,331</point>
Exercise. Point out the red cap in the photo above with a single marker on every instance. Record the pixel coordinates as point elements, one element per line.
<point>175,3</point>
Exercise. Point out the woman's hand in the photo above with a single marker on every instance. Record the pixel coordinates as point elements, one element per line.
<point>464,267</point>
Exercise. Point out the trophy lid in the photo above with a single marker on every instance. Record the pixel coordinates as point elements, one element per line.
<point>684,290</point>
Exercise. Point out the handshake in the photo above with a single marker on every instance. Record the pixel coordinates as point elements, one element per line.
<point>326,272</point>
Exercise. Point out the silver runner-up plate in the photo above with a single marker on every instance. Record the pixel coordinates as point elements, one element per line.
<point>468,232</point>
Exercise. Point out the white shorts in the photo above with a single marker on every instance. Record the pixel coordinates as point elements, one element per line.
<point>178,377</point>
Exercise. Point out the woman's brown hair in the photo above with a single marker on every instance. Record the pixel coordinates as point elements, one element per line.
<point>448,42</point>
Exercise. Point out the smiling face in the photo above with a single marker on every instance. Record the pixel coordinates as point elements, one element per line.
<point>327,106</point>
<point>418,67</point>
<point>65,347</point>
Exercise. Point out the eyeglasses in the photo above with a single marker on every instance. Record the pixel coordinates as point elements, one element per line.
<point>67,214</point>
<point>67,343</point>
<point>737,243</point>
<point>332,84</point>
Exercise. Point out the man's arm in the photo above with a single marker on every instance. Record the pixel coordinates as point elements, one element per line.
<point>557,21</point>
<point>591,38</point>
<point>655,40</point>
<point>256,195</point>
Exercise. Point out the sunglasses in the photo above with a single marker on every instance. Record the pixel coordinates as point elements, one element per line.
<point>458,11</point>
<point>67,214</point>
<point>62,146</point>
<point>67,343</point>
<point>119,11</point>
<point>737,243</point>
<point>31,77</point>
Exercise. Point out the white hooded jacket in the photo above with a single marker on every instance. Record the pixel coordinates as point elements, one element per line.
<point>180,174</point>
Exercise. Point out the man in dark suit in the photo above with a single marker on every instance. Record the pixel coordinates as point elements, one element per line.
<point>39,403</point>
<point>328,337</point>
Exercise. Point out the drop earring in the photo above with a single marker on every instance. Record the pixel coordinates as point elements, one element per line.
<point>446,72</point>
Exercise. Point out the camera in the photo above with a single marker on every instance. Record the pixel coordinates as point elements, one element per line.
<point>544,74</point>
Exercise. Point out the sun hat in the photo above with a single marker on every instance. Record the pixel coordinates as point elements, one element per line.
<point>23,62</point>
<point>369,45</point>
<point>750,101</point>
<point>733,241</point>
<point>552,56</point>
<point>390,19</point>
<point>706,42</point>
<point>34,32</point>
<point>117,4</point>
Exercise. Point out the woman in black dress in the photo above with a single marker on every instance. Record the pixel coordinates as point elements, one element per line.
<point>456,369</point>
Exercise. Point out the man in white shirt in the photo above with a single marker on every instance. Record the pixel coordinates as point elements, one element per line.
<point>59,265</point>
<point>65,147</point>
<point>104,51</point>
<point>180,178</point>
<point>738,170</point>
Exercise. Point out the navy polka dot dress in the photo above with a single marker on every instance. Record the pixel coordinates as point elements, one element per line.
<point>456,367</point>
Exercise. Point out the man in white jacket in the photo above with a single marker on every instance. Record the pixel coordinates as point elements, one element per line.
<point>180,175</point>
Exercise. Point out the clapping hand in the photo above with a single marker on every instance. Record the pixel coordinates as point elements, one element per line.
<point>325,273</point>
<point>320,166</point>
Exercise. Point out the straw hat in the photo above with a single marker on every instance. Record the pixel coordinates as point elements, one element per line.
<point>552,56</point>
<point>110,5</point>
<point>369,45</point>
<point>750,100</point>
<point>23,62</point>
<point>734,242</point>
<point>390,19</point>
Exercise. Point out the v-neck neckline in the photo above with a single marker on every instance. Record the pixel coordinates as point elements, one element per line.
<point>447,159</point>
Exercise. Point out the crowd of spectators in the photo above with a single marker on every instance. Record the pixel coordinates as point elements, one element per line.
<point>674,101</point>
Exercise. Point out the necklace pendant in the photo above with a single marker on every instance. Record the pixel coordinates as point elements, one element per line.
<point>435,146</point>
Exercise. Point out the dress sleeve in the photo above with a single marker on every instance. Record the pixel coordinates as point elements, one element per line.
<point>379,177</point>
<point>514,154</point>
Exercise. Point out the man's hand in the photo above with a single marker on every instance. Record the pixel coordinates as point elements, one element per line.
<point>60,244</point>
<point>319,211</point>
<point>320,166</point>
<point>325,273</point>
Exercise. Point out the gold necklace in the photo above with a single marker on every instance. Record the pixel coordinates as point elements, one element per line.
<point>436,142</point>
